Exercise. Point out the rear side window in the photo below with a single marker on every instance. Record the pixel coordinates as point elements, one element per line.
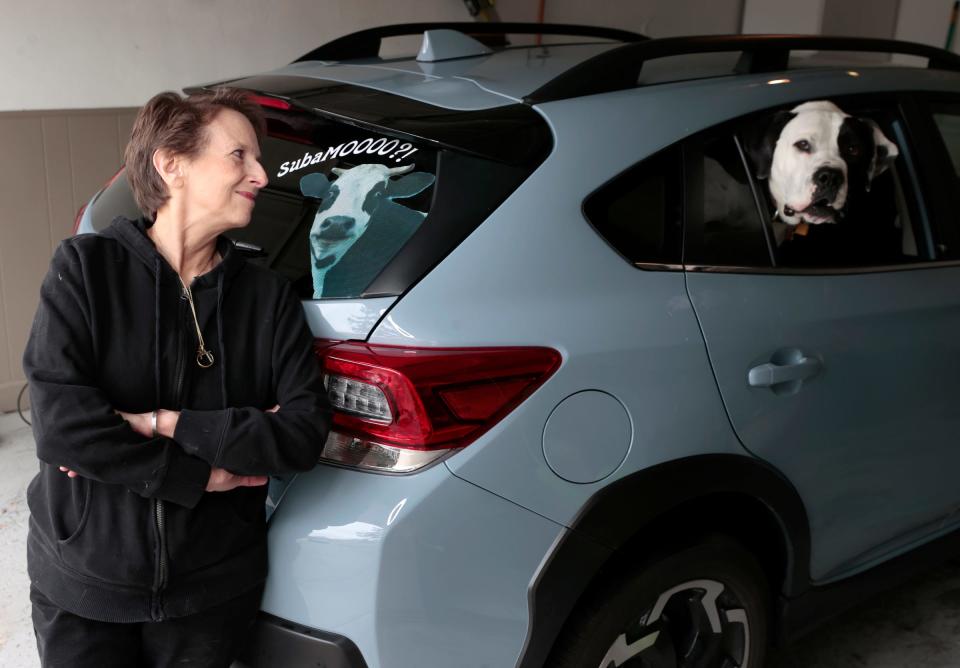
<point>639,212</point>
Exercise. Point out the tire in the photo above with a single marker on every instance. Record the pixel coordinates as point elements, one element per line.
<point>666,614</point>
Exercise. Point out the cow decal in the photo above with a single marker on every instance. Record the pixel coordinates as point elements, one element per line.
<point>349,203</point>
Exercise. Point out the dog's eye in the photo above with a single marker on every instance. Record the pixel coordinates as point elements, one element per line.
<point>853,151</point>
<point>803,145</point>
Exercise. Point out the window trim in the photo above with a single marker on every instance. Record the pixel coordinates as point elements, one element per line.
<point>824,271</point>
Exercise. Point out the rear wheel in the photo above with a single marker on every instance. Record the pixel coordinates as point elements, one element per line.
<point>703,606</point>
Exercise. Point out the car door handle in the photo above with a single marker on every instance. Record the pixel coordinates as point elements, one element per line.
<point>770,374</point>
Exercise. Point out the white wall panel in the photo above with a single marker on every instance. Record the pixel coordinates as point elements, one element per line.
<point>108,53</point>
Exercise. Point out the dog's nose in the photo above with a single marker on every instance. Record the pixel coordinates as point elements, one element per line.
<point>828,178</point>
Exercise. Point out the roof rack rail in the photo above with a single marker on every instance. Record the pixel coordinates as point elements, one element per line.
<point>366,43</point>
<point>619,68</point>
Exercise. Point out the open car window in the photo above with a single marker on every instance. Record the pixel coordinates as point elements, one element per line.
<point>831,182</point>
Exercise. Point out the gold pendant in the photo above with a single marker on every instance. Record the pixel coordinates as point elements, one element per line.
<point>204,358</point>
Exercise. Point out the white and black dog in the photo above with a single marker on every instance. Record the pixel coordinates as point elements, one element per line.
<point>815,158</point>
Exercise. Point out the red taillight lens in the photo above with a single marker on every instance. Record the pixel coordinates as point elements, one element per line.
<point>79,217</point>
<point>412,405</point>
<point>272,102</point>
<point>76,221</point>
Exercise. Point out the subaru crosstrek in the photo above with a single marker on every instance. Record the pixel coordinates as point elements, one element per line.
<point>643,352</point>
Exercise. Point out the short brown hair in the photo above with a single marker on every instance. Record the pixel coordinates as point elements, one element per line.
<point>178,124</point>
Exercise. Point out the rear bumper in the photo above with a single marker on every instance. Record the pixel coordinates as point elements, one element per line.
<point>418,571</point>
<point>278,642</point>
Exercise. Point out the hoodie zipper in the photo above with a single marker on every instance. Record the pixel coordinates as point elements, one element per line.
<point>160,519</point>
<point>159,511</point>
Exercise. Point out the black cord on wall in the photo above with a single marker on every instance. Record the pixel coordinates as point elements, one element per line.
<point>19,409</point>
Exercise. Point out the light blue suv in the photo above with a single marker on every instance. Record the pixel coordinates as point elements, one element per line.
<point>644,353</point>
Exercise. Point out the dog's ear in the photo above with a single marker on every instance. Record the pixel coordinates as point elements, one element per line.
<point>760,140</point>
<point>885,152</point>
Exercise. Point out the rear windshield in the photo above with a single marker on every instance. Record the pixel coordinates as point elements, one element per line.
<point>359,208</point>
<point>367,190</point>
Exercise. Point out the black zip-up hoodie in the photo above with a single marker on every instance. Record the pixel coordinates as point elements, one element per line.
<point>135,537</point>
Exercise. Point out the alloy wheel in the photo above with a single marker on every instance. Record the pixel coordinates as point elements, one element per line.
<point>697,624</point>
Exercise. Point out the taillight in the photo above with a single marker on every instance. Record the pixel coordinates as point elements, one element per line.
<point>76,221</point>
<point>398,409</point>
<point>272,102</point>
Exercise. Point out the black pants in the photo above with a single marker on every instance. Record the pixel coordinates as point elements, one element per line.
<point>209,638</point>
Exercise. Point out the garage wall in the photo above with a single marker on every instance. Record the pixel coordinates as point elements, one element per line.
<point>52,162</point>
<point>925,22</point>
<point>104,53</point>
<point>656,18</point>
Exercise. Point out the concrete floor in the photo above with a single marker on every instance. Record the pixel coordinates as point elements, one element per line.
<point>18,464</point>
<point>917,625</point>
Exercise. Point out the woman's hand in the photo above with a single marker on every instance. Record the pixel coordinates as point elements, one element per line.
<point>141,422</point>
<point>221,480</point>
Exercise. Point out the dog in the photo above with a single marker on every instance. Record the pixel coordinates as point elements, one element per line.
<point>819,164</point>
<point>815,157</point>
<point>349,203</point>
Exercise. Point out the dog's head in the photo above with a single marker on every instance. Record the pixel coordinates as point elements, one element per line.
<point>815,156</point>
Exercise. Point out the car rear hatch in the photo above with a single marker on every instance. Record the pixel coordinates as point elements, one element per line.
<point>367,190</point>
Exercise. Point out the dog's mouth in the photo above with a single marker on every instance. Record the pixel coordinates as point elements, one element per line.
<point>815,214</point>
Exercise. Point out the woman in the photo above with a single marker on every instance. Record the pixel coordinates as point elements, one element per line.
<point>168,378</point>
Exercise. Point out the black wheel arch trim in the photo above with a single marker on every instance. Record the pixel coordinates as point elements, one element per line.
<point>620,511</point>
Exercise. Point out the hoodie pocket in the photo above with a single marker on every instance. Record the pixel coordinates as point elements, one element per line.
<point>116,542</point>
<point>100,531</point>
<point>84,489</point>
<point>59,505</point>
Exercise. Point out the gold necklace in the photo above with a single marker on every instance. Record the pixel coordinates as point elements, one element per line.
<point>204,356</point>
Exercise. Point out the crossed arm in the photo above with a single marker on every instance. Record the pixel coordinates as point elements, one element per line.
<point>78,429</point>
<point>221,480</point>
